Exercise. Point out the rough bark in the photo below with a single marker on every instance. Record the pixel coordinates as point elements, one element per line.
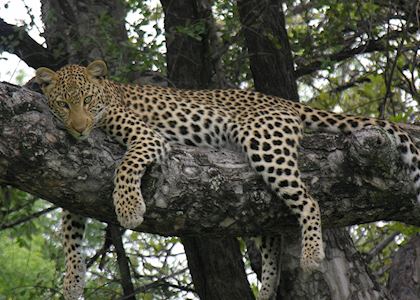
<point>356,178</point>
<point>404,276</point>
<point>215,264</point>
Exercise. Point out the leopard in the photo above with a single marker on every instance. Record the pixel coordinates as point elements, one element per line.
<point>148,119</point>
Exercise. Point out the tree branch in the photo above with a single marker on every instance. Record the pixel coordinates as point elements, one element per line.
<point>15,39</point>
<point>27,218</point>
<point>162,282</point>
<point>200,191</point>
<point>101,252</point>
<point>381,246</point>
<point>123,265</point>
<point>372,45</point>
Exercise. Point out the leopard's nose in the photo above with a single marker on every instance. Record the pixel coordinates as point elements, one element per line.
<point>80,127</point>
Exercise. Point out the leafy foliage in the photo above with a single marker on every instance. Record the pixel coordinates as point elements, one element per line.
<point>27,271</point>
<point>158,265</point>
<point>30,252</point>
<point>323,31</point>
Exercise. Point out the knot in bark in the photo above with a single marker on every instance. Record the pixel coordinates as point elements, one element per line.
<point>371,151</point>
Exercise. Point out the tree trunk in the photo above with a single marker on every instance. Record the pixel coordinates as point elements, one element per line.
<point>82,31</point>
<point>404,275</point>
<point>343,275</point>
<point>271,60</point>
<point>215,264</point>
<point>217,268</point>
<point>187,54</point>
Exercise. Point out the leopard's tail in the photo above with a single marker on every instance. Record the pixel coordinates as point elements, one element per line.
<point>336,123</point>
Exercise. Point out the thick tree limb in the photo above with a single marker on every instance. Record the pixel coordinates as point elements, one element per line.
<point>15,39</point>
<point>200,191</point>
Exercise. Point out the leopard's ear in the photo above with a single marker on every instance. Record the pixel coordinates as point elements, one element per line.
<point>97,69</point>
<point>46,79</point>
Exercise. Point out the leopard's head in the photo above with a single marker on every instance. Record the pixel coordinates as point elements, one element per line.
<point>76,95</point>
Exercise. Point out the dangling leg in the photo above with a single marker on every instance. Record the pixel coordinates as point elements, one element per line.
<point>270,248</point>
<point>273,154</point>
<point>292,190</point>
<point>73,227</point>
<point>307,211</point>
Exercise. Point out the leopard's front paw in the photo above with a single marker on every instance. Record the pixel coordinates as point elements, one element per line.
<point>131,221</point>
<point>311,258</point>
<point>130,208</point>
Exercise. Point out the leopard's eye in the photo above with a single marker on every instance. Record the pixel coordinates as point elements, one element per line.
<point>63,104</point>
<point>88,99</point>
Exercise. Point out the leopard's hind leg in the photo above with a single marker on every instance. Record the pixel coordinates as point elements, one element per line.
<point>74,279</point>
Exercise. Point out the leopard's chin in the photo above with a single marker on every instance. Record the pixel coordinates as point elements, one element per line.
<point>82,137</point>
<point>79,136</point>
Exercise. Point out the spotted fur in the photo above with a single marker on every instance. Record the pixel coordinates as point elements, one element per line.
<point>147,118</point>
<point>72,228</point>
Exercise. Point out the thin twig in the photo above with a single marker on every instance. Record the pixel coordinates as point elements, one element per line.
<point>101,252</point>
<point>379,247</point>
<point>27,218</point>
<point>388,81</point>
<point>160,282</point>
